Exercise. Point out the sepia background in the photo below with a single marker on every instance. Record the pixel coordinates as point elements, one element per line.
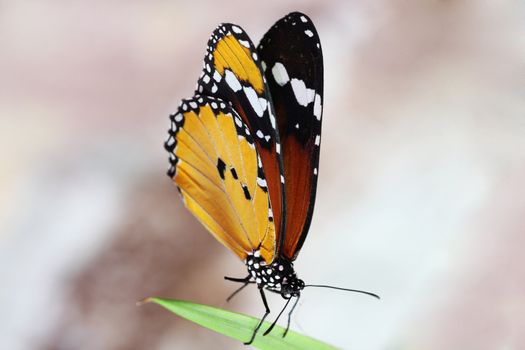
<point>421,196</point>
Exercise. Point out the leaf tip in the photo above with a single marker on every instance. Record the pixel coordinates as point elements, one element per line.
<point>145,301</point>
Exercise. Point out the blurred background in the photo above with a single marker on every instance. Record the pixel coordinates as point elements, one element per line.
<point>422,179</point>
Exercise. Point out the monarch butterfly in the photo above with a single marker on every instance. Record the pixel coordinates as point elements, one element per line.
<point>244,150</point>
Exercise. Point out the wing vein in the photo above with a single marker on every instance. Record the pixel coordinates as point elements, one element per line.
<point>245,173</point>
<point>223,185</point>
<point>215,221</point>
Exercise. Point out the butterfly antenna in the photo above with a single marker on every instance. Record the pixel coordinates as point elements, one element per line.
<point>345,289</point>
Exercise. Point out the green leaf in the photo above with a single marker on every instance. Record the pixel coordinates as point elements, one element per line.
<point>239,326</point>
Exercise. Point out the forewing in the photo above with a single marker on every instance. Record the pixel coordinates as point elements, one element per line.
<point>218,172</point>
<point>291,54</point>
<point>232,72</point>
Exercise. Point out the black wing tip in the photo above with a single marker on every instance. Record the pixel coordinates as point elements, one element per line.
<point>229,25</point>
<point>298,14</point>
<point>228,28</point>
<point>295,24</point>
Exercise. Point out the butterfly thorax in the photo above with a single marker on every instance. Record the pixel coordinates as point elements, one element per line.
<point>278,277</point>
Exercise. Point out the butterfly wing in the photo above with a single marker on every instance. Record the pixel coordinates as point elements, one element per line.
<point>232,72</point>
<point>291,53</point>
<point>218,172</point>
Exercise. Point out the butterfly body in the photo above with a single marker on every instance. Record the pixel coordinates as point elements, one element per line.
<point>277,277</point>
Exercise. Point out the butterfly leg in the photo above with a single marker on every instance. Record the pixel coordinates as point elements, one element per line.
<point>245,280</point>
<point>290,317</point>
<point>266,312</point>
<point>234,279</point>
<point>277,318</point>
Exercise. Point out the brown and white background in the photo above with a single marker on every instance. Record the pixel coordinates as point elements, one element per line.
<point>421,196</point>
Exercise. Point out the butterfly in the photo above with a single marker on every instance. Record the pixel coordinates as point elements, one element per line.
<point>244,150</point>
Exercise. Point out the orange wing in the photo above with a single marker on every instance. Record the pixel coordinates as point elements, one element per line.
<point>218,171</point>
<point>232,71</point>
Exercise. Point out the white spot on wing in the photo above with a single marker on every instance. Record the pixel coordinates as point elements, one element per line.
<point>254,100</point>
<point>237,29</point>
<point>217,76</point>
<point>310,95</point>
<point>317,107</point>
<point>261,182</point>
<point>206,79</point>
<point>244,43</point>
<point>280,74</point>
<point>309,33</point>
<point>232,81</point>
<point>303,19</point>
<point>238,122</point>
<point>263,103</point>
<point>303,95</point>
<point>317,140</point>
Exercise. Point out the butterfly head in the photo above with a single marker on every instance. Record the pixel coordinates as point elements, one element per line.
<point>291,287</point>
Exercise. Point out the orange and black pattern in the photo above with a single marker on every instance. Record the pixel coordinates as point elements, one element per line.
<point>232,71</point>
<point>218,172</point>
<point>244,151</point>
